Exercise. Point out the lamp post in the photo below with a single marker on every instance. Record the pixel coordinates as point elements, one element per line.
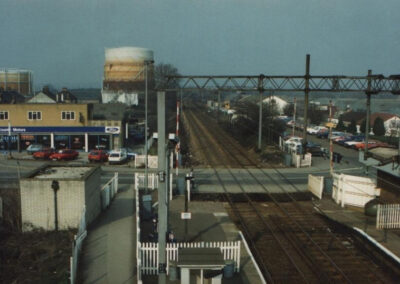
<point>146,65</point>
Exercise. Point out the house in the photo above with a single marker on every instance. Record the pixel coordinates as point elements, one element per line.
<point>45,96</point>
<point>390,121</point>
<point>280,103</point>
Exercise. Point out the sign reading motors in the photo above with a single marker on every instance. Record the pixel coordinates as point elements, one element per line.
<point>113,129</point>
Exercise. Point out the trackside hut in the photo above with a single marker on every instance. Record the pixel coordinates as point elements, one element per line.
<point>55,125</point>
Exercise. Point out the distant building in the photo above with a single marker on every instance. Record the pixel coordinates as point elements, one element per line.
<point>279,102</point>
<point>11,97</point>
<point>44,96</point>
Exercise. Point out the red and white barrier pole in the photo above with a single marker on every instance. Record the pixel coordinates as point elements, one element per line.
<point>177,149</point>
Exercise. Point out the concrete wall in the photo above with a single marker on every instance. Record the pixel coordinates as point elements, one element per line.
<point>37,201</point>
<point>92,196</point>
<point>51,114</point>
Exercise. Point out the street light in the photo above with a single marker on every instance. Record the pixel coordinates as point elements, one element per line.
<point>146,64</point>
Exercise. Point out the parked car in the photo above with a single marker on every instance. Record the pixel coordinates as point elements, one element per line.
<point>64,154</point>
<point>323,134</point>
<point>98,156</point>
<point>314,130</point>
<point>356,138</point>
<point>314,149</point>
<point>293,139</point>
<point>117,157</point>
<point>130,153</point>
<point>361,145</point>
<point>43,154</point>
<point>34,148</point>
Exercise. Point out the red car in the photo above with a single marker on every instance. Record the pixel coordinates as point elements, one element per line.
<point>43,154</point>
<point>64,154</point>
<point>98,156</point>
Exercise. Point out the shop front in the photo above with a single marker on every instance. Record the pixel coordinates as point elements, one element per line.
<point>77,138</point>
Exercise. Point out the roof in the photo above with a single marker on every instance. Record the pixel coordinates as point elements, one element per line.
<point>11,97</point>
<point>45,96</point>
<point>353,115</point>
<point>383,115</point>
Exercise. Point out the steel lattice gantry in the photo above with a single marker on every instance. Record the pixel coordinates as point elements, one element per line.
<point>379,83</point>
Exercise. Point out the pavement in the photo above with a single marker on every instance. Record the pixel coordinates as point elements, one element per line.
<point>109,251</point>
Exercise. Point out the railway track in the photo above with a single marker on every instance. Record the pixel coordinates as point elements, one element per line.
<point>292,244</point>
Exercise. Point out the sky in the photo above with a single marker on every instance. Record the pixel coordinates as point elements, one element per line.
<point>63,42</point>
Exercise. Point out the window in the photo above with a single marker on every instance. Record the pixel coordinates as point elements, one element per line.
<point>3,115</point>
<point>68,115</point>
<point>34,115</point>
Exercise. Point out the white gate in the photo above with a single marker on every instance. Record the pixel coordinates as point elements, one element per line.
<point>353,190</point>
<point>388,216</point>
<point>152,161</point>
<point>316,185</point>
<point>298,160</point>
<point>148,253</point>
<point>152,180</point>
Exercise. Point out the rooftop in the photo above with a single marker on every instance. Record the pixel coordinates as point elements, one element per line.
<point>62,173</point>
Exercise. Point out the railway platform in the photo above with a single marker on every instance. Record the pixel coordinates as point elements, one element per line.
<point>355,218</point>
<point>209,223</point>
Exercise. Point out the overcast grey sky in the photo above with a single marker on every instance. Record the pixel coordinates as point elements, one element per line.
<point>63,41</point>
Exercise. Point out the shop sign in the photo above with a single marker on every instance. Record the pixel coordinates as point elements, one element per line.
<point>113,129</point>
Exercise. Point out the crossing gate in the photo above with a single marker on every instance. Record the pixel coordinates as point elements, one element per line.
<point>388,216</point>
<point>148,254</point>
<point>152,180</point>
<point>316,185</point>
<point>353,190</point>
<point>152,161</point>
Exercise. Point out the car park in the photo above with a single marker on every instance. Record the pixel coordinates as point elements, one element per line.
<point>98,156</point>
<point>43,154</point>
<point>117,157</point>
<point>34,148</point>
<point>64,154</point>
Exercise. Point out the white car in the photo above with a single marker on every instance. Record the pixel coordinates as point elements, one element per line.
<point>117,157</point>
<point>293,139</point>
<point>314,130</point>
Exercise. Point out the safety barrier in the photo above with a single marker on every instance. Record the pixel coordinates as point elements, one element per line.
<point>77,245</point>
<point>316,185</point>
<point>148,253</point>
<point>108,191</point>
<point>388,216</point>
<point>152,180</point>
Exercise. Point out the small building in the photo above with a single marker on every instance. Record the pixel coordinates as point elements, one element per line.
<point>279,102</point>
<point>43,206</point>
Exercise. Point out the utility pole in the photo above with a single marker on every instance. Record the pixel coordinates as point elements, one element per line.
<point>367,123</point>
<point>330,139</point>
<point>306,92</point>
<point>261,91</point>
<point>146,177</point>
<point>162,188</point>
<point>294,117</point>
<point>219,105</point>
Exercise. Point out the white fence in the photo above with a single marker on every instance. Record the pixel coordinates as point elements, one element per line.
<point>108,191</point>
<point>353,190</point>
<point>152,180</point>
<point>388,216</point>
<point>316,185</point>
<point>138,259</point>
<point>152,161</point>
<point>76,246</point>
<point>148,253</point>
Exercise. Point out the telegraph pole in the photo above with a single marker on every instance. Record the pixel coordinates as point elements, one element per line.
<point>294,117</point>
<point>306,92</point>
<point>367,123</point>
<point>162,188</point>
<point>330,139</point>
<point>219,105</point>
<point>261,91</point>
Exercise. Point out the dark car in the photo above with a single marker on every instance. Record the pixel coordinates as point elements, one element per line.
<point>314,149</point>
<point>323,134</point>
<point>43,154</point>
<point>64,154</point>
<point>98,156</point>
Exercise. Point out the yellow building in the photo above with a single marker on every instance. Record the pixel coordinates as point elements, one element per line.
<point>56,125</point>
